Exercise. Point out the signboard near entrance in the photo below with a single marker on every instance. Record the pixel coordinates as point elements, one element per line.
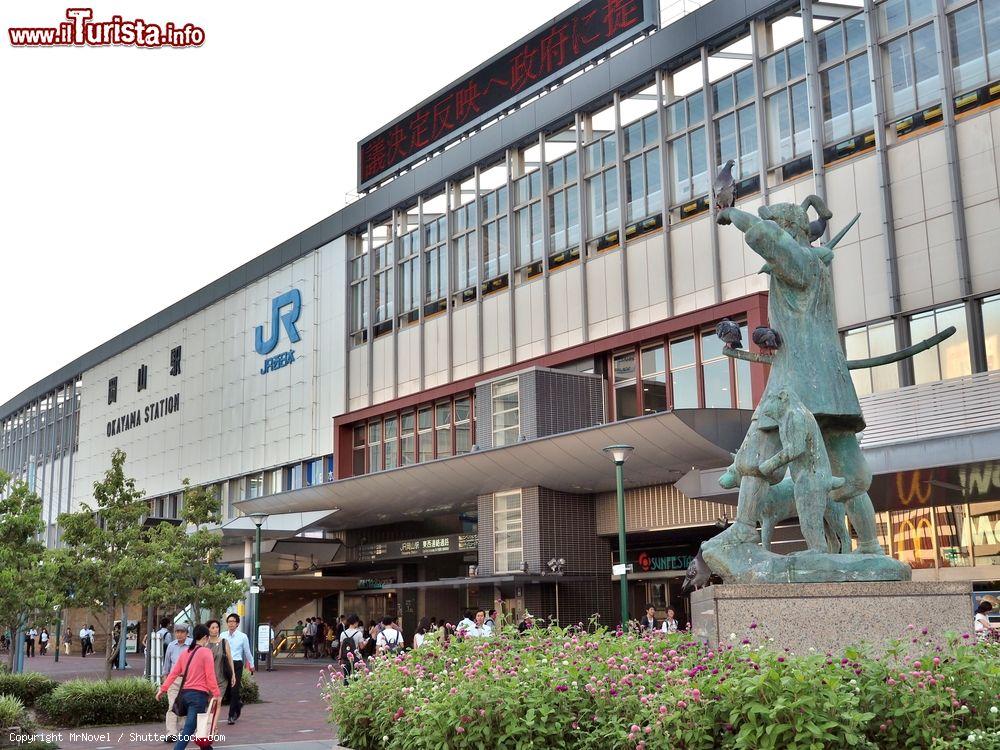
<point>437,545</point>
<point>659,559</point>
<point>550,53</point>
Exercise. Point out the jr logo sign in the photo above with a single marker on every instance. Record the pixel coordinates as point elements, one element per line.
<point>293,300</point>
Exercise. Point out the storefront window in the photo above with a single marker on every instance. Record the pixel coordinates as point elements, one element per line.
<point>391,448</point>
<point>983,532</point>
<point>408,445</point>
<point>715,371</point>
<point>913,537</point>
<point>507,542</point>
<point>954,550</point>
<point>442,428</point>
<point>425,434</point>
<point>991,331</point>
<point>626,405</point>
<point>683,375</point>
<point>654,380</point>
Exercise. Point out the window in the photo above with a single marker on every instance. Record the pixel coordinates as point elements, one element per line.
<point>389,436</point>
<point>950,358</point>
<point>563,206</point>
<point>435,262</point>
<point>683,374</point>
<point>255,486</point>
<point>910,71</point>
<point>744,392</point>
<point>735,123</point>
<point>442,428</point>
<point>466,246</point>
<point>508,552</point>
<point>844,79</point>
<point>872,341</point>
<point>359,292</point>
<point>496,240</point>
<point>626,401</point>
<point>991,331</point>
<point>715,372</point>
<point>175,361</point>
<point>374,446</point>
<point>688,152</point>
<point>975,44</point>
<point>358,443</point>
<point>407,440</point>
<point>407,269</point>
<point>896,15</point>
<point>425,434</point>
<point>112,390</point>
<point>383,288</point>
<point>528,218</point>
<point>786,105</point>
<point>506,412</point>
<point>314,472</point>
<point>602,190</point>
<point>643,191</point>
<point>293,477</point>
<point>654,379</point>
<point>463,425</point>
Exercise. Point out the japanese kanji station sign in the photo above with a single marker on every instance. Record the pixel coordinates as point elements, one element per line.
<point>555,50</point>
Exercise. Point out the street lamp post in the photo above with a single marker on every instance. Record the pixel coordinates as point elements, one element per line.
<point>256,583</point>
<point>620,454</point>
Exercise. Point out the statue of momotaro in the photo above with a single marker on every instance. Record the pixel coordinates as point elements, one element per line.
<point>808,415</point>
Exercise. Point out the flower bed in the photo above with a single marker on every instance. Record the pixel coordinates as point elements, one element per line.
<point>554,688</point>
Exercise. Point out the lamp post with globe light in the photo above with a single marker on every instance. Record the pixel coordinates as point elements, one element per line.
<point>256,583</point>
<point>620,454</point>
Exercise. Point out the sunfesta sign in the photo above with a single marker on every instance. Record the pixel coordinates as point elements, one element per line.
<point>292,299</point>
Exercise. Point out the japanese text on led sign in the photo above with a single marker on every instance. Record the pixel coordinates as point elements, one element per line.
<point>574,38</point>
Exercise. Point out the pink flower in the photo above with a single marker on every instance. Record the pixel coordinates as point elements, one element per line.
<point>634,728</point>
<point>459,730</point>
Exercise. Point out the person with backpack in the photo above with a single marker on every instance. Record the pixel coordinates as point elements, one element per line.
<point>349,650</point>
<point>390,639</point>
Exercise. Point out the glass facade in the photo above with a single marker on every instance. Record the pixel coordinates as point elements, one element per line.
<point>508,554</point>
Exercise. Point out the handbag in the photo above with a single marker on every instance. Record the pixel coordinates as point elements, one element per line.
<point>180,706</point>
<point>206,724</point>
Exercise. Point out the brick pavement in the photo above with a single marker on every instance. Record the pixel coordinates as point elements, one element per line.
<point>291,715</point>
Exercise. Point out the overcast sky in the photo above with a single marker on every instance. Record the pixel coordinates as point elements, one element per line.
<point>132,177</point>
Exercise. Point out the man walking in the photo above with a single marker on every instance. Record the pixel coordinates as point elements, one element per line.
<point>239,647</point>
<point>181,641</point>
<point>29,641</point>
<point>86,645</point>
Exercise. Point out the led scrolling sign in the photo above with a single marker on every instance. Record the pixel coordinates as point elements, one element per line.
<point>571,40</point>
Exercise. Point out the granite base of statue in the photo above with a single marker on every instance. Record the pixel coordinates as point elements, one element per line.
<point>800,457</point>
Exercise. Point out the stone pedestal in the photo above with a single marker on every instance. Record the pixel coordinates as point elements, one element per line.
<point>830,616</point>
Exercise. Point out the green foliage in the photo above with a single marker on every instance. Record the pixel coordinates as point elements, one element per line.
<point>188,554</point>
<point>107,557</point>
<point>12,712</point>
<point>79,703</point>
<point>27,572</point>
<point>27,687</point>
<point>593,691</point>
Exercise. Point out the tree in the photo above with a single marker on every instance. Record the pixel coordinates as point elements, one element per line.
<point>188,555</point>
<point>108,558</point>
<point>27,575</point>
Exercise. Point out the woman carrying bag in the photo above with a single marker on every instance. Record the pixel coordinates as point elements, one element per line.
<point>225,672</point>
<point>196,668</point>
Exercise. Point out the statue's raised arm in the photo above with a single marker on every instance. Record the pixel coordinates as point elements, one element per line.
<point>783,241</point>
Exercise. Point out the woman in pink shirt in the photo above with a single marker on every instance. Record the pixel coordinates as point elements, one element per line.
<point>196,668</point>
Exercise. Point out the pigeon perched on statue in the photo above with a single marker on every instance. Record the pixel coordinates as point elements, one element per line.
<point>698,573</point>
<point>729,332</point>
<point>816,228</point>
<point>766,338</point>
<point>724,187</point>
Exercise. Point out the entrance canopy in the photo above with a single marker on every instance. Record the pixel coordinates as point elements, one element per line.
<point>667,446</point>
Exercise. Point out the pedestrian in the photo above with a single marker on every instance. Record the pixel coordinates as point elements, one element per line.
<point>390,639</point>
<point>491,620</point>
<point>341,627</point>
<point>29,641</point>
<point>299,627</point>
<point>648,621</point>
<point>174,649</point>
<point>669,624</point>
<point>465,624</point>
<point>981,622</point>
<point>225,672</point>
<point>86,645</point>
<point>526,623</point>
<point>349,650</point>
<point>479,629</point>
<point>164,633</point>
<point>308,635</point>
<point>197,669</point>
<point>116,641</point>
<point>43,641</point>
<point>67,640</point>
<point>239,648</point>
<point>423,628</point>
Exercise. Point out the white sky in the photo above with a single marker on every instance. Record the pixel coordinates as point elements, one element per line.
<point>132,177</point>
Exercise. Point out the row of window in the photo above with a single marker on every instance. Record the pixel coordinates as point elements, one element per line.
<point>685,372</point>
<point>471,245</point>
<point>142,376</point>
<point>436,430</point>
<point>952,358</point>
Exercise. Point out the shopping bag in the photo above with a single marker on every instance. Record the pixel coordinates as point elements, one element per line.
<point>206,724</point>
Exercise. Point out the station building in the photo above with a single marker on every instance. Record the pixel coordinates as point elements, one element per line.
<point>417,389</point>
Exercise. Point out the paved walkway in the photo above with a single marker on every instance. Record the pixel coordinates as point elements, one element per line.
<point>291,716</point>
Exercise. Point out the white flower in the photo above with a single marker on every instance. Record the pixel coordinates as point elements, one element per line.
<point>993,709</point>
<point>732,636</point>
<point>854,682</point>
<point>972,738</point>
<point>811,648</point>
<point>385,738</point>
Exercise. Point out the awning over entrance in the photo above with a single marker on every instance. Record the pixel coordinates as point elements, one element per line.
<point>667,446</point>
<point>455,583</point>
<point>276,526</point>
